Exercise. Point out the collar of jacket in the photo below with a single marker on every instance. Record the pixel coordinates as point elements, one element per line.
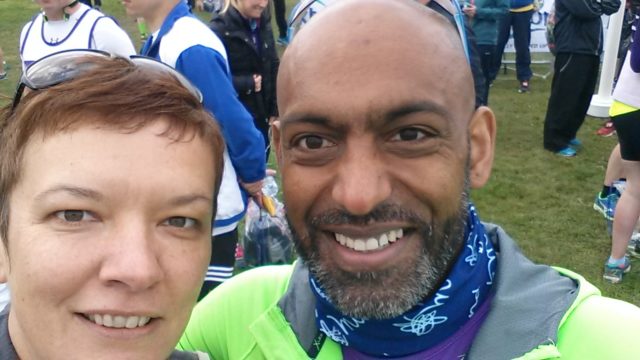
<point>530,295</point>
<point>180,10</point>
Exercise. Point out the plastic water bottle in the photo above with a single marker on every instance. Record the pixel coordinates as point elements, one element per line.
<point>270,186</point>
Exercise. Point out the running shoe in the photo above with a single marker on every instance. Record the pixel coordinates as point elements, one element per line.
<point>607,129</point>
<point>566,152</point>
<point>606,205</point>
<point>633,249</point>
<point>575,143</point>
<point>614,274</point>
<point>282,41</point>
<point>524,87</point>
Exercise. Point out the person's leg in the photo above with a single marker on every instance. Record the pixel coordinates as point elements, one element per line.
<point>587,71</point>
<point>561,103</point>
<point>628,208</point>
<point>614,167</point>
<point>3,72</point>
<point>279,10</point>
<point>142,28</point>
<point>223,259</point>
<point>487,54</point>
<point>504,29</point>
<point>571,90</point>
<point>607,199</point>
<point>522,39</point>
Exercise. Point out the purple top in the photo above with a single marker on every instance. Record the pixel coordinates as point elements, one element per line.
<point>455,347</point>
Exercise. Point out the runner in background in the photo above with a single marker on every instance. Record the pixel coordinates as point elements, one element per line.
<point>71,25</point>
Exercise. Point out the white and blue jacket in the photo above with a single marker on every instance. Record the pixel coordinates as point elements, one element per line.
<point>189,46</point>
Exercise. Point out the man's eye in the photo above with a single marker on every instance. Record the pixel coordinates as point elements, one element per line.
<point>181,222</point>
<point>313,142</point>
<point>74,215</point>
<point>409,134</point>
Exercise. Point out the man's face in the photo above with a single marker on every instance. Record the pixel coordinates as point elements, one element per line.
<point>373,147</point>
<point>109,240</point>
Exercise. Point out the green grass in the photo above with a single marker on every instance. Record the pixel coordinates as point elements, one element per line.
<point>542,200</point>
<point>545,201</point>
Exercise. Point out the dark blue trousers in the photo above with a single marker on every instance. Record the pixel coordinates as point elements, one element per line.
<point>519,24</point>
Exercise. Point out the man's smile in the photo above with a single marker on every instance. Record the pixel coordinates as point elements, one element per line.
<point>369,243</point>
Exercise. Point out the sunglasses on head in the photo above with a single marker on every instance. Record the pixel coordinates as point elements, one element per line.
<point>63,66</point>
<point>306,9</point>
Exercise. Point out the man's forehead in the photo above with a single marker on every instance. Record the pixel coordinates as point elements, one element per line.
<point>344,50</point>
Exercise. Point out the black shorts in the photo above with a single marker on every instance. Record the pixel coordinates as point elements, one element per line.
<point>628,129</point>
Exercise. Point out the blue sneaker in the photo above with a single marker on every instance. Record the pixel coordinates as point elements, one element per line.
<point>614,274</point>
<point>282,41</point>
<point>633,249</point>
<point>607,205</point>
<point>566,152</point>
<point>575,143</point>
<point>3,75</point>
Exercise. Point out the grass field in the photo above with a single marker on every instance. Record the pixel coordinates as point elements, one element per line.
<point>543,201</point>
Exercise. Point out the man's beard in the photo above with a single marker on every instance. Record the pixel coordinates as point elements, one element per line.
<point>390,292</point>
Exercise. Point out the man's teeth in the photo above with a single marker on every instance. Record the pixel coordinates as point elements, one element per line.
<point>119,322</point>
<point>371,243</point>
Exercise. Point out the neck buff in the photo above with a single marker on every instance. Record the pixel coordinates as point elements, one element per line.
<point>430,321</point>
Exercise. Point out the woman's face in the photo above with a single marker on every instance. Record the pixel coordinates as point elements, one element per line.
<point>109,240</point>
<point>54,9</point>
<point>251,9</point>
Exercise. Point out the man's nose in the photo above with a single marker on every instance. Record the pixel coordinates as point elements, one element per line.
<point>363,181</point>
<point>132,258</point>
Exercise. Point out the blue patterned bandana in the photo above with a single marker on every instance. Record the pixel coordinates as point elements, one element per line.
<point>429,322</point>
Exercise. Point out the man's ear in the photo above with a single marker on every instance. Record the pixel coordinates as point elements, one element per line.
<point>482,139</point>
<point>275,141</point>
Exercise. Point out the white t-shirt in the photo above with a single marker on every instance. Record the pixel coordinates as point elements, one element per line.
<point>86,28</point>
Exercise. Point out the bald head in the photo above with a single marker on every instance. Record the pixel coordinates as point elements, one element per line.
<point>362,36</point>
<point>377,120</point>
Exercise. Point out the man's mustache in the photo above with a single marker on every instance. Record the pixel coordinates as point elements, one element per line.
<point>381,213</point>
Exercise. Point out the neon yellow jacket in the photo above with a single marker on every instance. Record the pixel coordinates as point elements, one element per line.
<point>537,312</point>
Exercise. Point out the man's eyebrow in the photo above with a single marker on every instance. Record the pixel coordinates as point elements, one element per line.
<point>309,120</point>
<point>417,107</point>
<point>75,191</point>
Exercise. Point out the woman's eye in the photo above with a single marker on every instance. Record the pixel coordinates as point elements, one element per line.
<point>181,222</point>
<point>313,142</point>
<point>409,134</point>
<point>74,215</point>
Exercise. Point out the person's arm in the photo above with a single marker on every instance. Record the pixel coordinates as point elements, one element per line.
<point>634,61</point>
<point>272,56</point>
<point>590,9</point>
<point>21,44</point>
<point>207,70</point>
<point>244,84</point>
<point>110,37</point>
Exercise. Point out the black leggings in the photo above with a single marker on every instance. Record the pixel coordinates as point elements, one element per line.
<point>223,259</point>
